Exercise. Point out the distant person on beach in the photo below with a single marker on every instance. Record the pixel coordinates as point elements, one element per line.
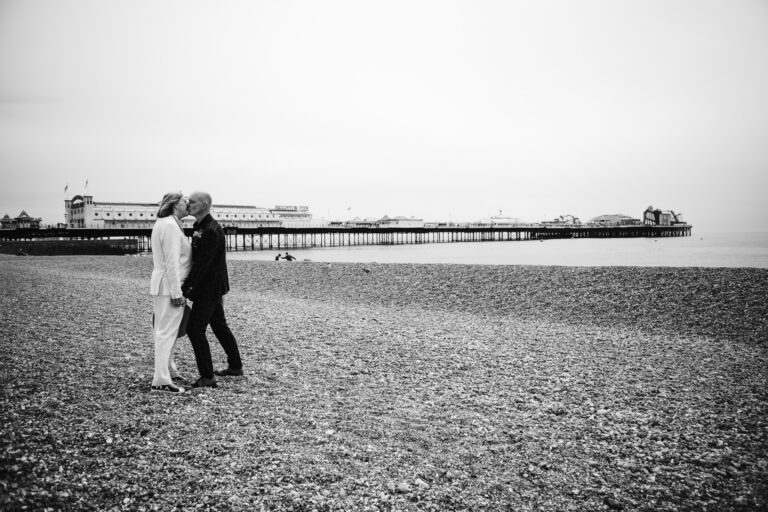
<point>288,257</point>
<point>172,260</point>
<point>206,285</point>
<point>277,258</point>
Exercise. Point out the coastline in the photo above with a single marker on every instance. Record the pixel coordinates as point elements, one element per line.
<point>705,251</point>
<point>390,385</point>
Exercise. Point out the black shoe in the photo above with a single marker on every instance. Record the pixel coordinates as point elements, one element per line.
<point>229,372</point>
<point>205,383</point>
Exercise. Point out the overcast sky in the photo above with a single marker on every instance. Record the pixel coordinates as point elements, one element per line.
<point>440,109</point>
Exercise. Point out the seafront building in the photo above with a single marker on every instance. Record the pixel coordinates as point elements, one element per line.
<point>655,217</point>
<point>297,217</point>
<point>84,212</point>
<point>562,221</point>
<point>357,222</point>
<point>22,221</point>
<point>400,222</point>
<point>501,220</point>
<point>386,221</point>
<point>613,219</point>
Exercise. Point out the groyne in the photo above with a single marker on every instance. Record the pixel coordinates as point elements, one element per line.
<point>69,247</point>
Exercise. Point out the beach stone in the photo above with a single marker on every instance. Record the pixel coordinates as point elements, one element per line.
<point>403,488</point>
<point>341,341</point>
<point>421,483</point>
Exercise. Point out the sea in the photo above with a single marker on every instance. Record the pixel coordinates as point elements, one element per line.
<point>699,250</point>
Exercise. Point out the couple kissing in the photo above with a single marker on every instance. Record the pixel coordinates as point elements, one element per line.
<point>196,271</point>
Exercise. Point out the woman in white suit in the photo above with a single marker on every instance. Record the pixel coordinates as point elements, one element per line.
<point>172,260</point>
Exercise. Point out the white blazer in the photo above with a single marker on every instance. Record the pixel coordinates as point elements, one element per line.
<point>171,256</point>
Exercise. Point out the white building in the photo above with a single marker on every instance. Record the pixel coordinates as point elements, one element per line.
<point>400,222</point>
<point>84,212</point>
<point>615,219</point>
<point>297,217</point>
<point>562,221</point>
<point>656,217</point>
<point>357,222</point>
<point>501,220</point>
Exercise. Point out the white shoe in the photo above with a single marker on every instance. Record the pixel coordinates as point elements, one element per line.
<point>168,388</point>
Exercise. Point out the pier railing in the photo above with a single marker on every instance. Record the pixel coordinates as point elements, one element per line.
<point>271,238</point>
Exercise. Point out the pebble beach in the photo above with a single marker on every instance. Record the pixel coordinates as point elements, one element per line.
<point>391,387</point>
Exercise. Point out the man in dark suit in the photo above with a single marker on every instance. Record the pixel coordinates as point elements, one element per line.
<point>205,286</point>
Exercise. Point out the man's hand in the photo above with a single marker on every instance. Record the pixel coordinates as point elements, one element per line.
<point>178,302</point>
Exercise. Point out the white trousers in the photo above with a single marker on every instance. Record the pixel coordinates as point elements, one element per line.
<point>167,320</point>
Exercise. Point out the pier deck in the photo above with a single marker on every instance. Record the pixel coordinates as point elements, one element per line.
<point>269,238</point>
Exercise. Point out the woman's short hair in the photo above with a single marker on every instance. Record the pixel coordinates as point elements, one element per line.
<point>169,202</point>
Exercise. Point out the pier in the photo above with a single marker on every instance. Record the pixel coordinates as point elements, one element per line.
<point>276,238</point>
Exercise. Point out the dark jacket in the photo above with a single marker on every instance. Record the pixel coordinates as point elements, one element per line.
<point>208,279</point>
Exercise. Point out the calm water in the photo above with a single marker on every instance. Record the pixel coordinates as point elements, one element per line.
<point>700,250</point>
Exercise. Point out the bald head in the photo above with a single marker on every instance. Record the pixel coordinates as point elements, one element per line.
<point>199,205</point>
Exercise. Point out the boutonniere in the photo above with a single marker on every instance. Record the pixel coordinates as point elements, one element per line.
<point>196,235</point>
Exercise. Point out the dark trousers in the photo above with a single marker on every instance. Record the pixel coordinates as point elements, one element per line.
<point>205,312</point>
